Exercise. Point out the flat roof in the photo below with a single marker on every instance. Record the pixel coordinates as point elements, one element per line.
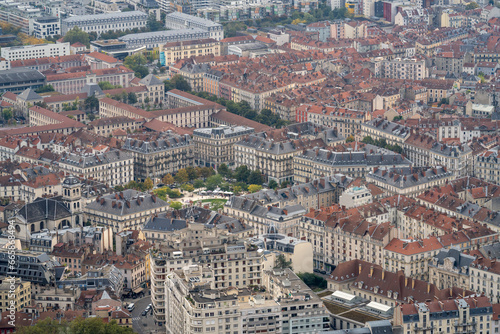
<point>343,295</point>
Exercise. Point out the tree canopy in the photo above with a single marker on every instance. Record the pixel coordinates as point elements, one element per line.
<point>77,35</point>
<point>137,63</point>
<point>177,82</point>
<point>77,326</point>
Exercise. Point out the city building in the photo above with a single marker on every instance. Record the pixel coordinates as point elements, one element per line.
<point>125,210</point>
<point>155,157</point>
<point>17,80</point>
<point>171,52</point>
<point>101,23</point>
<point>14,291</point>
<point>151,40</point>
<point>450,267</point>
<point>215,146</point>
<point>35,51</point>
<point>177,20</point>
<point>113,168</point>
<point>457,315</point>
<point>355,196</point>
<point>48,26</point>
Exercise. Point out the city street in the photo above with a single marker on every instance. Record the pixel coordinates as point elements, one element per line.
<point>143,324</point>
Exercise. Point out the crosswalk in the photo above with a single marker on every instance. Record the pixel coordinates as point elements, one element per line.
<point>136,319</point>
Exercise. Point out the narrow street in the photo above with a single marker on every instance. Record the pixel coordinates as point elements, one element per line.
<point>143,324</point>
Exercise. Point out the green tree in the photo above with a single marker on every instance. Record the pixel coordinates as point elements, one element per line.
<point>192,173</point>
<point>177,82</point>
<point>397,118</point>
<point>349,139</point>
<point>282,263</point>
<point>91,103</point>
<point>148,184</point>
<point>181,176</point>
<point>273,184</point>
<point>187,187</point>
<point>7,114</point>
<point>213,182</point>
<point>253,188</point>
<point>168,179</point>
<point>237,190</point>
<point>132,98</point>
<point>137,63</point>
<point>77,35</point>
<point>255,177</point>
<point>368,140</point>
<point>153,25</point>
<point>198,184</point>
<point>224,170</point>
<point>241,173</point>
<point>45,89</point>
<point>205,172</point>
<point>106,85</point>
<point>471,5</point>
<point>313,281</point>
<point>176,205</point>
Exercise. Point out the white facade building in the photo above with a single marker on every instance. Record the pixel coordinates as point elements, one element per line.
<point>177,20</point>
<point>35,51</point>
<point>355,196</point>
<point>105,22</point>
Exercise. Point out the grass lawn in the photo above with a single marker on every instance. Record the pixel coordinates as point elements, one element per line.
<point>335,309</point>
<point>358,316</point>
<point>215,203</point>
<point>324,294</point>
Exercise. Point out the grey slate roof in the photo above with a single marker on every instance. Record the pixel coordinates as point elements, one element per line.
<point>83,161</point>
<point>167,142</point>
<point>254,208</point>
<point>391,128</point>
<point>459,259</point>
<point>150,80</point>
<point>94,17</point>
<point>354,158</point>
<point>179,219</point>
<point>127,202</point>
<point>44,208</point>
<point>325,184</point>
<point>406,177</point>
<point>92,89</point>
<point>29,95</point>
<point>491,251</point>
<point>21,74</point>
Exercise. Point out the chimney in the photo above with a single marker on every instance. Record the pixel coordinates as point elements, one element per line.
<point>371,271</point>
<point>359,269</point>
<point>406,281</point>
<point>428,287</point>
<point>413,283</point>
<point>383,274</point>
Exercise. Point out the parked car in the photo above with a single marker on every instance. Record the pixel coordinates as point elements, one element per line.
<point>144,313</point>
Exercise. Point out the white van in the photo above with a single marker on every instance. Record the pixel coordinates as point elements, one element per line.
<point>131,307</point>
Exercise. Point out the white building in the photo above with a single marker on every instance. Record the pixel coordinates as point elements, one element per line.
<point>355,196</point>
<point>44,27</point>
<point>105,22</point>
<point>35,51</point>
<point>177,20</point>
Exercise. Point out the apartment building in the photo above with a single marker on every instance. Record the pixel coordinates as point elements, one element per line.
<point>47,26</point>
<point>317,193</point>
<point>125,210</point>
<point>412,257</point>
<point>347,122</point>
<point>424,150</point>
<point>230,261</point>
<point>74,82</point>
<point>101,23</point>
<point>487,165</point>
<point>273,155</point>
<point>14,292</point>
<point>264,219</point>
<point>240,310</point>
<point>35,267</point>
<point>381,129</point>
<point>410,180</point>
<point>35,51</point>
<point>112,168</point>
<point>408,69</point>
<point>155,39</point>
<point>313,164</point>
<point>355,196</point>
<point>470,314</point>
<point>178,20</point>
<point>156,157</point>
<point>215,146</point>
<point>450,267</point>
<point>171,52</point>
